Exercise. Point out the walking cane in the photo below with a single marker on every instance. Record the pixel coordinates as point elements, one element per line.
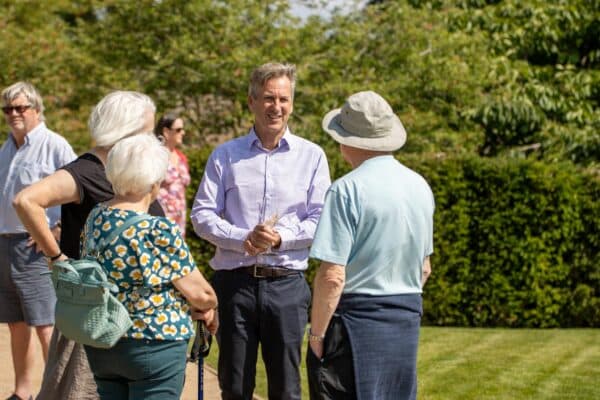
<point>200,349</point>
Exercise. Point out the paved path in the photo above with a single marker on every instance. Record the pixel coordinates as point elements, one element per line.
<point>211,386</point>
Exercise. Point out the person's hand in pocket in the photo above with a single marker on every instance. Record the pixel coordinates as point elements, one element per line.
<point>317,348</point>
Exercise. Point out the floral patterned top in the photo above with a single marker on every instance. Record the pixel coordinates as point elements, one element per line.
<point>143,261</point>
<point>172,191</point>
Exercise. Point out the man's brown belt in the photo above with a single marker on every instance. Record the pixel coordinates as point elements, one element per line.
<point>267,271</point>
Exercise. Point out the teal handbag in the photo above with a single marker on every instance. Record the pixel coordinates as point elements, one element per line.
<point>86,310</point>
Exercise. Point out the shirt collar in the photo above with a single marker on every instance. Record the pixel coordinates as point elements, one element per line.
<point>377,159</point>
<point>33,134</point>
<point>287,140</point>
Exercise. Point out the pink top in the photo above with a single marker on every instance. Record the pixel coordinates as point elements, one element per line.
<point>172,191</point>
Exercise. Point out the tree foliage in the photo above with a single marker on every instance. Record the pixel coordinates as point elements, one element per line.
<point>496,82</point>
<point>545,75</point>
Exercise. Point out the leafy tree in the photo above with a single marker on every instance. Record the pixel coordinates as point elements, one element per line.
<point>544,75</point>
<point>493,93</point>
<point>36,47</point>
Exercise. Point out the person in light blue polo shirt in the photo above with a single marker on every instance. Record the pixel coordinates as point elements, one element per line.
<point>374,239</point>
<point>30,153</point>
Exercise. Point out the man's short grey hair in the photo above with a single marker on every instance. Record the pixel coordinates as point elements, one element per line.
<point>118,115</point>
<point>268,71</point>
<point>29,91</point>
<point>136,163</point>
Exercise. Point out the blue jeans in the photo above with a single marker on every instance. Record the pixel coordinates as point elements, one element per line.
<point>139,369</point>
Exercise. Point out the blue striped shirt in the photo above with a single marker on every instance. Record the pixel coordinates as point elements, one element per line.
<point>40,155</point>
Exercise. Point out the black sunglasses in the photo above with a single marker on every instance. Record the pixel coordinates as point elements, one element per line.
<point>177,130</point>
<point>19,109</point>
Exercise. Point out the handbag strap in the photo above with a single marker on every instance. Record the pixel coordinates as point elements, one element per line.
<point>66,266</point>
<point>115,233</point>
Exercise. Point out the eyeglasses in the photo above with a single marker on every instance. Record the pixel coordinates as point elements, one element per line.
<point>19,109</point>
<point>177,130</point>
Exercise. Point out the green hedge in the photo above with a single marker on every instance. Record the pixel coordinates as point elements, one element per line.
<point>516,241</point>
<point>516,244</point>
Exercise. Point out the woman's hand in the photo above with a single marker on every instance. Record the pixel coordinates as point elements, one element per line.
<point>210,318</point>
<point>197,291</point>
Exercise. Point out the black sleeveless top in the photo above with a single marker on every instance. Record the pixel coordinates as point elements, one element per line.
<point>90,177</point>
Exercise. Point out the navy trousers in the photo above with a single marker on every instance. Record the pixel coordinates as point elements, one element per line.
<point>272,312</point>
<point>369,350</point>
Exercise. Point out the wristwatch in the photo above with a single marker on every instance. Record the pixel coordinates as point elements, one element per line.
<point>51,259</point>
<point>314,338</point>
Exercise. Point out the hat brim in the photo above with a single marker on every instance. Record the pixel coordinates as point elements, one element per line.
<point>392,142</point>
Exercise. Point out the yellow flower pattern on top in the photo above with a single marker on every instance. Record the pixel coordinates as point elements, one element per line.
<point>121,250</point>
<point>143,262</point>
<point>144,224</point>
<point>161,318</point>
<point>129,232</point>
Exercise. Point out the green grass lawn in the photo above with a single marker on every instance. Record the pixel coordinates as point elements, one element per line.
<point>464,363</point>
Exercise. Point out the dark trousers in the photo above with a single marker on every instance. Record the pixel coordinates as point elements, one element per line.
<point>269,311</point>
<point>332,377</point>
<point>370,349</point>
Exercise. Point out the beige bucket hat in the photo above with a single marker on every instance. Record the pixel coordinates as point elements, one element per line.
<point>366,121</point>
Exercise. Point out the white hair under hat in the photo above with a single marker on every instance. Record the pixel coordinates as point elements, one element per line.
<point>367,122</point>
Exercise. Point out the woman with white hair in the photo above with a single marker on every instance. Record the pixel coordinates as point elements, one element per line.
<point>157,279</point>
<point>78,187</point>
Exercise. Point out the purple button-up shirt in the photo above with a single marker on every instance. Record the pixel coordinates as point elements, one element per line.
<point>245,184</point>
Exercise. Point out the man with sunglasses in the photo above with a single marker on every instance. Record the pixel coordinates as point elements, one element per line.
<point>30,153</point>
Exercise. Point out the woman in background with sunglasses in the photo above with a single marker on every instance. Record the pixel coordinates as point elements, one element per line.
<point>170,131</point>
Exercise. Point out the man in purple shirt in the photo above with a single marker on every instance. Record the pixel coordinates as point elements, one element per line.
<point>259,203</point>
